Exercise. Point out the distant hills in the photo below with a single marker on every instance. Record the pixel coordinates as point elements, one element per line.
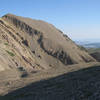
<point>93,47</point>
<point>89,44</point>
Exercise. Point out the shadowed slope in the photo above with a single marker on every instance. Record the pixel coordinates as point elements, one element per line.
<point>83,84</point>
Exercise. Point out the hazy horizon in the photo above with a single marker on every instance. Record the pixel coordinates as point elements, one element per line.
<point>79,19</point>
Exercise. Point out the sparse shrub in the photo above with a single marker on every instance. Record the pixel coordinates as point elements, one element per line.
<point>33,52</point>
<point>25,42</point>
<point>10,53</point>
<point>17,33</point>
<point>35,31</point>
<point>50,65</point>
<point>5,43</point>
<point>21,69</point>
<point>39,56</point>
<point>22,38</point>
<point>1,22</point>
<point>23,72</point>
<point>33,72</point>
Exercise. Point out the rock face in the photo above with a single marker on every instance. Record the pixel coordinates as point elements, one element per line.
<point>36,45</point>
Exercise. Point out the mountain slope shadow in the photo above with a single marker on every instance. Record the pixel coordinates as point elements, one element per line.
<point>79,85</point>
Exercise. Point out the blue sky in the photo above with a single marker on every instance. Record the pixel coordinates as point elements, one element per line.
<point>79,19</point>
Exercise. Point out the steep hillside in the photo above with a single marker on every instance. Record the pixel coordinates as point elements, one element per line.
<point>34,50</point>
<point>37,44</point>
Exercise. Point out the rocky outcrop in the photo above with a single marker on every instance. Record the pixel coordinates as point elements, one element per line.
<point>59,54</point>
